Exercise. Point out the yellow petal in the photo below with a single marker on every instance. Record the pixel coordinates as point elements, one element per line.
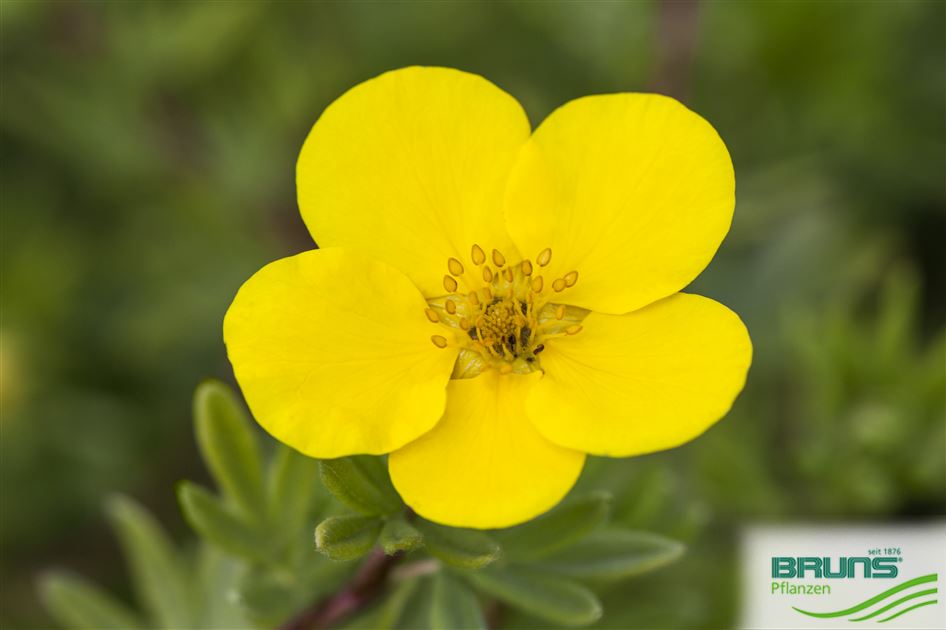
<point>410,168</point>
<point>484,465</point>
<point>634,191</point>
<point>332,351</point>
<point>642,382</point>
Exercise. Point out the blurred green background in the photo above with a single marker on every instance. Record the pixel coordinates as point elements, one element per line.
<point>148,157</point>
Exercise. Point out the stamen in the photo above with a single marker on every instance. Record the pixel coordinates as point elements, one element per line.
<point>505,369</point>
<point>487,274</point>
<point>544,257</point>
<point>455,266</point>
<point>474,300</point>
<point>464,323</point>
<point>574,329</point>
<point>440,342</point>
<point>478,255</point>
<point>571,278</point>
<point>432,315</point>
<point>507,273</point>
<point>450,284</point>
<point>560,311</point>
<point>537,284</point>
<point>558,285</point>
<point>526,267</point>
<point>450,306</point>
<point>498,259</point>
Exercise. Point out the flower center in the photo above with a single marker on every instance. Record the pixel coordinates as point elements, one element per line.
<point>499,314</point>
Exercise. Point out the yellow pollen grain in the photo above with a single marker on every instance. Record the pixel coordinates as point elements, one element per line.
<point>464,323</point>
<point>558,285</point>
<point>488,294</point>
<point>508,274</point>
<point>439,341</point>
<point>478,255</point>
<point>537,284</point>
<point>560,311</point>
<point>498,259</point>
<point>571,278</point>
<point>450,306</point>
<point>455,266</point>
<point>544,257</point>
<point>474,300</point>
<point>574,329</point>
<point>526,267</point>
<point>432,315</point>
<point>450,284</point>
<point>487,274</point>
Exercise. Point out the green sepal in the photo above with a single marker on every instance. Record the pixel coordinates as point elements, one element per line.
<point>362,483</point>
<point>162,586</point>
<point>210,518</point>
<point>462,548</point>
<point>399,535</point>
<point>558,529</point>
<point>548,597</point>
<point>78,604</point>
<point>228,445</point>
<point>347,537</point>
<point>613,555</point>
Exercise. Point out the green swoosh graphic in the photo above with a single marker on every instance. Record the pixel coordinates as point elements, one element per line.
<point>930,591</point>
<point>906,610</point>
<point>873,600</point>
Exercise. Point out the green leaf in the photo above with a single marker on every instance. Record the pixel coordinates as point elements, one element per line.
<point>292,489</point>
<point>77,603</point>
<point>613,555</point>
<point>453,605</point>
<point>212,520</point>
<point>560,528</point>
<point>399,609</point>
<point>229,447</point>
<point>399,535</point>
<point>347,537</point>
<point>160,582</point>
<point>362,483</point>
<point>463,548</point>
<point>545,596</point>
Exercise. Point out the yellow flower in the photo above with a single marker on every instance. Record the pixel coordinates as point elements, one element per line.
<point>490,304</point>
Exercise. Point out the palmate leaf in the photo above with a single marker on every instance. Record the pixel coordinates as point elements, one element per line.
<point>543,595</point>
<point>613,555</point>
<point>347,537</point>
<point>162,585</point>
<point>229,447</point>
<point>79,604</point>
<point>560,528</point>
<point>362,483</point>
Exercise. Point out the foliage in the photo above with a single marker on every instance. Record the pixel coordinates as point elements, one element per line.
<point>256,531</point>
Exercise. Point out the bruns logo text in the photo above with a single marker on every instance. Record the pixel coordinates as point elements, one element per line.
<point>825,567</point>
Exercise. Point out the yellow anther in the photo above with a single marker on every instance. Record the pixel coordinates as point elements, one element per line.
<point>455,266</point>
<point>560,311</point>
<point>544,257</point>
<point>526,267</point>
<point>478,255</point>
<point>440,342</point>
<point>537,284</point>
<point>505,369</point>
<point>432,315</point>
<point>487,294</point>
<point>487,274</point>
<point>558,285</point>
<point>574,329</point>
<point>507,273</point>
<point>498,259</point>
<point>570,278</point>
<point>450,306</point>
<point>464,323</point>
<point>450,284</point>
<point>474,300</point>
